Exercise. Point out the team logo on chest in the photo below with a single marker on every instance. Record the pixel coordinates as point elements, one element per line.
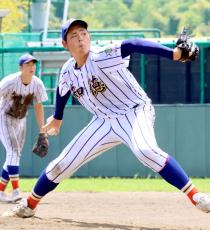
<point>109,51</point>
<point>77,92</point>
<point>96,86</point>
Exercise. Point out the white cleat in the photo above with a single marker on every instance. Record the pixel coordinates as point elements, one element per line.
<point>20,210</point>
<point>16,196</point>
<point>3,197</point>
<point>202,202</point>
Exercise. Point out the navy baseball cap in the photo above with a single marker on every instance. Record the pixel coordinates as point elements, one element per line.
<point>25,58</point>
<point>68,24</point>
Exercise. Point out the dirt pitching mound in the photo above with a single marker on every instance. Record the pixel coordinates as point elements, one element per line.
<point>111,211</point>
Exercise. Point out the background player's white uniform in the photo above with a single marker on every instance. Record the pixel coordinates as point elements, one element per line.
<point>12,130</point>
<point>122,113</point>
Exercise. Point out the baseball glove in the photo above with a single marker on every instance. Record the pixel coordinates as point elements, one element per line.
<point>190,51</point>
<point>41,145</point>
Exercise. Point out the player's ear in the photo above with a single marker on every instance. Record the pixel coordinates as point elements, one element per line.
<point>64,43</point>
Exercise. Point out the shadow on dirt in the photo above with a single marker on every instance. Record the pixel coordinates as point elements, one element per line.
<point>88,225</point>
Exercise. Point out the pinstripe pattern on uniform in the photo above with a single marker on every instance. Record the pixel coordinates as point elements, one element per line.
<point>100,50</point>
<point>102,98</point>
<point>124,130</point>
<point>82,149</point>
<point>115,106</point>
<point>85,101</point>
<point>71,153</point>
<point>105,59</point>
<point>13,83</point>
<point>104,147</point>
<point>150,142</point>
<point>144,154</point>
<point>111,93</point>
<point>78,136</point>
<point>12,137</point>
<point>93,154</point>
<point>131,87</point>
<point>122,92</point>
<point>12,130</point>
<point>112,66</point>
<point>129,143</point>
<point>119,91</point>
<point>15,151</point>
<point>114,74</point>
<point>103,134</point>
<point>89,97</point>
<point>111,86</point>
<point>98,141</point>
<point>155,161</point>
<point>6,84</point>
<point>98,98</point>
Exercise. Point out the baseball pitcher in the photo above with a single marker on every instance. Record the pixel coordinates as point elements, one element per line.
<point>122,112</point>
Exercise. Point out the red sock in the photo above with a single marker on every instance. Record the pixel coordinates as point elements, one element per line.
<point>32,201</point>
<point>15,183</point>
<point>3,185</point>
<point>191,193</point>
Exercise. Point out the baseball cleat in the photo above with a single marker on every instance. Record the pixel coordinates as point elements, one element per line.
<point>4,197</point>
<point>202,202</point>
<point>20,210</point>
<point>15,196</point>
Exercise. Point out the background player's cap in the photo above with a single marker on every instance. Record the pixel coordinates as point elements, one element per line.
<point>25,58</point>
<point>71,22</point>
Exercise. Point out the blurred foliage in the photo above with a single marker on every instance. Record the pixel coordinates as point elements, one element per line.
<point>16,20</point>
<point>168,16</point>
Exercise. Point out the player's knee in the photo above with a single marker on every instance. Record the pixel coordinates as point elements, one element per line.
<point>12,158</point>
<point>56,171</point>
<point>153,153</point>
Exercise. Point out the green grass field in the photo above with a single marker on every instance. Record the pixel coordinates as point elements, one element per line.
<point>114,184</point>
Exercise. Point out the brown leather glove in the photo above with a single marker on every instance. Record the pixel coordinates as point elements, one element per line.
<point>41,145</point>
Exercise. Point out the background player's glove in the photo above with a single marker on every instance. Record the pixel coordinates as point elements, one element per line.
<point>41,145</point>
<point>190,51</point>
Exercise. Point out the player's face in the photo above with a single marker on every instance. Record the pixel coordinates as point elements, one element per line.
<point>77,41</point>
<point>28,68</point>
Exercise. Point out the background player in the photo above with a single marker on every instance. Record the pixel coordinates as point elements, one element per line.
<point>17,92</point>
<point>122,113</point>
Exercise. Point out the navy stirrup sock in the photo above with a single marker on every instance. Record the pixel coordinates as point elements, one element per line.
<point>174,174</point>
<point>44,185</point>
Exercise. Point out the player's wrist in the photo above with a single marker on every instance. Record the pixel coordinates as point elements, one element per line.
<point>58,117</point>
<point>41,130</point>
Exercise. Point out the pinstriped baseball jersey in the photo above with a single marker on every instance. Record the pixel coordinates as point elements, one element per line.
<point>122,113</point>
<point>13,84</point>
<point>103,84</point>
<point>12,130</point>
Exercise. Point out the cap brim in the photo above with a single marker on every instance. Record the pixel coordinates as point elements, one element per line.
<point>29,60</point>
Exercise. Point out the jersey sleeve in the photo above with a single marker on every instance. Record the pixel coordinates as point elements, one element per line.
<point>41,94</point>
<point>65,80</point>
<point>110,59</point>
<point>143,46</point>
<point>6,84</point>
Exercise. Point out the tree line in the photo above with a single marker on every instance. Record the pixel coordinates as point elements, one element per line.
<point>168,16</point>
